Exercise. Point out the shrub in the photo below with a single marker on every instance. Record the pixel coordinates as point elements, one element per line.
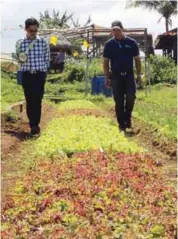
<point>76,74</point>
<point>162,69</point>
<point>96,66</point>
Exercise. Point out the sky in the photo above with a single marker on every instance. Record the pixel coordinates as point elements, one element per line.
<point>14,13</point>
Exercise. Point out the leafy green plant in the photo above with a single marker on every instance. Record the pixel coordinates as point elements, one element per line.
<point>11,116</point>
<point>77,74</point>
<point>96,67</point>
<point>77,104</point>
<point>162,69</point>
<point>82,133</point>
<point>157,231</point>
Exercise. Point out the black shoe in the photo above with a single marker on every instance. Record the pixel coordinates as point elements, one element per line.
<point>128,125</point>
<point>35,130</point>
<point>122,128</point>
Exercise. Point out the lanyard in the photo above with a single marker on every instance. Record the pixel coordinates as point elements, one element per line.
<point>30,46</point>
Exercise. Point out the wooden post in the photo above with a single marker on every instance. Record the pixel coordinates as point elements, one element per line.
<point>145,48</point>
<point>147,62</point>
<point>149,77</point>
<point>87,65</point>
<point>93,42</point>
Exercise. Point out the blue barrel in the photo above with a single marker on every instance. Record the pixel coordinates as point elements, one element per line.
<point>102,88</point>
<point>95,86</point>
<point>98,86</point>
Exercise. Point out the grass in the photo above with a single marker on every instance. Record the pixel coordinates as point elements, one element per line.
<point>10,92</point>
<point>159,109</point>
<point>64,90</point>
<point>161,94</point>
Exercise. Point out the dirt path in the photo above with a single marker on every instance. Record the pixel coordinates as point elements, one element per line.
<point>15,138</point>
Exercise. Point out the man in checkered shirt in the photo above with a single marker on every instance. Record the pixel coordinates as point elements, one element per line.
<point>34,72</point>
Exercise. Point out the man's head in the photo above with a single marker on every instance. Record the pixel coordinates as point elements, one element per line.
<point>117,29</point>
<point>31,27</point>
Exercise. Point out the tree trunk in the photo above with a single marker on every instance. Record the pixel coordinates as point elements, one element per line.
<point>167,25</point>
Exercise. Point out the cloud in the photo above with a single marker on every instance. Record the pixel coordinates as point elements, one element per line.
<point>102,13</point>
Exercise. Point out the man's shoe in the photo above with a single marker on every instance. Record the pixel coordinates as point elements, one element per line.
<point>128,125</point>
<point>121,128</point>
<point>35,130</point>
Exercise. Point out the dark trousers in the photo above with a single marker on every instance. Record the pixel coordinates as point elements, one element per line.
<point>33,85</point>
<point>124,92</point>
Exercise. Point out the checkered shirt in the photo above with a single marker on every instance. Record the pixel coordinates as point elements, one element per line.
<point>38,56</point>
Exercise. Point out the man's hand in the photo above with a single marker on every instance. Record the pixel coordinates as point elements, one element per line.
<point>108,83</point>
<point>139,81</point>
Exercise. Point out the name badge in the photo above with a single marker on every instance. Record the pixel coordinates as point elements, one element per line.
<point>22,57</point>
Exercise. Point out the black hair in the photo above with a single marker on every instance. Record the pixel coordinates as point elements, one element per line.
<point>31,21</point>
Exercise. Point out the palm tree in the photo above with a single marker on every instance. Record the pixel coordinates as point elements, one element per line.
<point>167,9</point>
<point>77,24</point>
<point>47,21</point>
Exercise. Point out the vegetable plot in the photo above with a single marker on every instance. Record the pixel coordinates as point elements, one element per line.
<point>82,133</point>
<point>88,181</point>
<point>92,195</point>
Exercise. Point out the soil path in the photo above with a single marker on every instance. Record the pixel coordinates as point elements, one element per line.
<point>14,138</point>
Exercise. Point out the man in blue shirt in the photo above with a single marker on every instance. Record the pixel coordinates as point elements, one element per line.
<point>33,55</point>
<point>60,60</point>
<point>119,53</point>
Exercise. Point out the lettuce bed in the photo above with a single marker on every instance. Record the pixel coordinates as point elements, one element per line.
<point>82,133</point>
<point>77,104</point>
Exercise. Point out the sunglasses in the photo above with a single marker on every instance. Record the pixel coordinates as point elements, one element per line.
<point>33,31</point>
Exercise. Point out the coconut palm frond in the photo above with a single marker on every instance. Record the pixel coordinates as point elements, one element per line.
<point>69,17</point>
<point>75,23</point>
<point>170,22</point>
<point>88,21</point>
<point>166,8</point>
<point>160,19</point>
<point>54,20</point>
<point>151,5</point>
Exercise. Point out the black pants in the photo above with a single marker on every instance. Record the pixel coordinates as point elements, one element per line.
<point>33,85</point>
<point>124,92</point>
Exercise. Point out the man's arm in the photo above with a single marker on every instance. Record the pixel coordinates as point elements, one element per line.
<point>138,65</point>
<point>106,61</point>
<point>106,67</point>
<point>106,72</point>
<point>136,55</point>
